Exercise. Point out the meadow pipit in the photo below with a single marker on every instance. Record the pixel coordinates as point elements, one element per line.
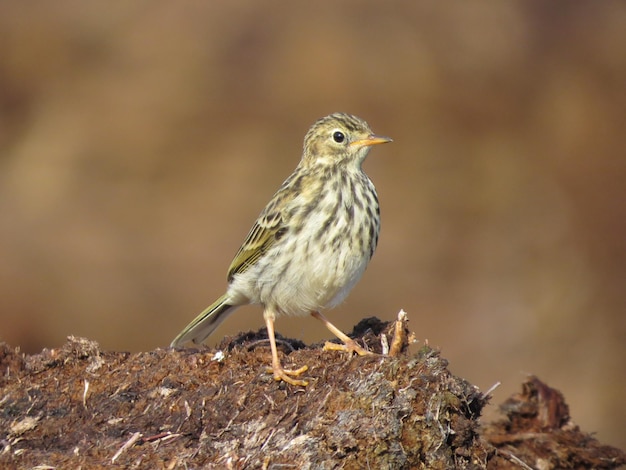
<point>311,243</point>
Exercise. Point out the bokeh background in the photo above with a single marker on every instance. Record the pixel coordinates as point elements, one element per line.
<point>139,140</point>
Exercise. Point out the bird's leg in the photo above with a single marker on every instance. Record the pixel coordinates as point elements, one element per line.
<point>348,345</point>
<point>277,369</point>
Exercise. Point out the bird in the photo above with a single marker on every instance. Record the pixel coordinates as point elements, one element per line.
<point>310,244</point>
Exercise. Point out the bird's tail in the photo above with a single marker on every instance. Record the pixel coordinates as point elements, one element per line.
<point>204,324</point>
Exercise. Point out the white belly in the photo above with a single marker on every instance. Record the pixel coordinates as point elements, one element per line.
<point>301,274</point>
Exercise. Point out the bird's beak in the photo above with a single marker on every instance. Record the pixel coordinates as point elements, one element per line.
<point>371,140</point>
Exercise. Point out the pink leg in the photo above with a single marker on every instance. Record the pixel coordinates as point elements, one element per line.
<point>348,345</point>
<point>277,369</point>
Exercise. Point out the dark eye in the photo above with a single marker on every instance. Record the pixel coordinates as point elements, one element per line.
<point>338,137</point>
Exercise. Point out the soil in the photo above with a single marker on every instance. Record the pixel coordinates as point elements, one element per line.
<point>80,407</point>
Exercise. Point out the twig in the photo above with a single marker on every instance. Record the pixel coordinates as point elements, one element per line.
<point>85,391</point>
<point>399,335</point>
<point>487,394</point>
<point>513,458</point>
<point>127,445</point>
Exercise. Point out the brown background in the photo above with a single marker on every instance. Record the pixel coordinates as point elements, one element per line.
<point>139,141</point>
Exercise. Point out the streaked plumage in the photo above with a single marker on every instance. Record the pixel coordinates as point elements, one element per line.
<point>312,242</point>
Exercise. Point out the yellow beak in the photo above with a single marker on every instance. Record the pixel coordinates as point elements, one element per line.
<point>371,140</point>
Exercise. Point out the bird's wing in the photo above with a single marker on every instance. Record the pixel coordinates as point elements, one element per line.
<point>268,228</point>
<point>271,225</point>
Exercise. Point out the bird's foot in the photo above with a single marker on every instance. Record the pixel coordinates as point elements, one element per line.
<point>350,346</point>
<point>285,375</point>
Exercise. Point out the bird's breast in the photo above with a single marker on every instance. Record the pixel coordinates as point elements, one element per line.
<point>328,242</point>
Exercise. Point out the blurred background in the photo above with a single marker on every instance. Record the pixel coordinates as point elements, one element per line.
<point>139,141</point>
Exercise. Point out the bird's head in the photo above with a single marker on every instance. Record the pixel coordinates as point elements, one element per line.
<point>339,139</point>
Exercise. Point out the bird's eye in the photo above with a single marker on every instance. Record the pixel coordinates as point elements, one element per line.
<point>338,136</point>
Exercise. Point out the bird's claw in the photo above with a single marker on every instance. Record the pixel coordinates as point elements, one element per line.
<point>349,346</point>
<point>285,375</point>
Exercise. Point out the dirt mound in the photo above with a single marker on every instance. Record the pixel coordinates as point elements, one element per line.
<point>78,406</point>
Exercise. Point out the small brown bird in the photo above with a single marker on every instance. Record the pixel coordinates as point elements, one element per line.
<point>311,243</point>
